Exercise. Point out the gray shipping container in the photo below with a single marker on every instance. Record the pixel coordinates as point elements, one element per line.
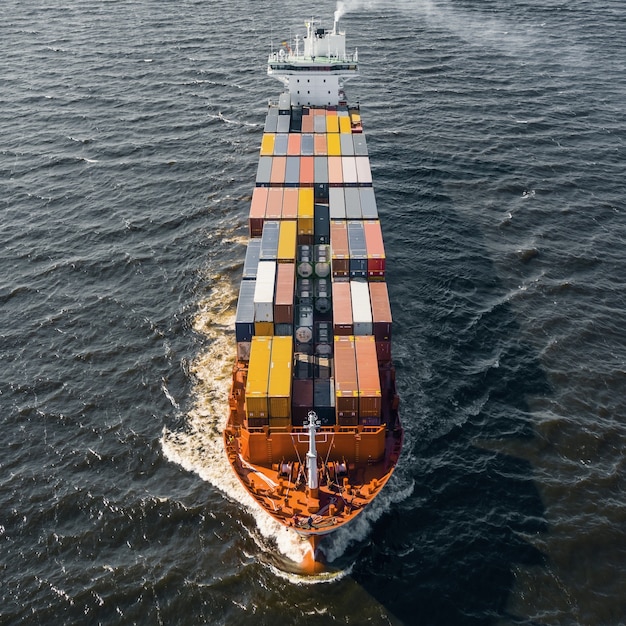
<point>292,171</point>
<point>347,145</point>
<point>283,123</point>
<point>369,209</point>
<point>271,122</point>
<point>358,249</point>
<point>319,124</point>
<point>280,144</point>
<point>321,169</point>
<point>353,203</point>
<point>264,171</point>
<point>337,203</point>
<point>307,145</point>
<point>269,241</point>
<point>251,263</point>
<point>360,145</point>
<point>244,318</point>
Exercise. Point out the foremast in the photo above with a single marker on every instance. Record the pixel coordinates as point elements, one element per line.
<point>315,75</point>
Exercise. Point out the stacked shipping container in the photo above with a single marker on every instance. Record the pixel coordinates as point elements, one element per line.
<point>313,319</point>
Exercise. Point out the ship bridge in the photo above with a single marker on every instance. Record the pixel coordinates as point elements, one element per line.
<point>315,75</point>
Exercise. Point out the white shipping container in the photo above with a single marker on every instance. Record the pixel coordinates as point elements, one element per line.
<point>361,307</point>
<point>348,164</point>
<point>264,292</point>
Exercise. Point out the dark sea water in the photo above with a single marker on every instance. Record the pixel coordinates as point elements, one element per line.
<point>129,135</point>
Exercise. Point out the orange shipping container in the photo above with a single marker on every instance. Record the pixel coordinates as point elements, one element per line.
<point>381,311</point>
<point>307,174</point>
<point>274,207</point>
<point>307,122</point>
<point>293,144</point>
<point>290,203</point>
<point>346,386</point>
<point>277,177</point>
<point>342,309</point>
<point>340,251</point>
<point>367,377</point>
<point>257,211</point>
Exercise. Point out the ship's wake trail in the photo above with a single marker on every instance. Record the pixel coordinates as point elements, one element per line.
<point>199,447</point>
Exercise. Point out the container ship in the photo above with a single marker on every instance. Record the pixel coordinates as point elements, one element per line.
<point>313,432</point>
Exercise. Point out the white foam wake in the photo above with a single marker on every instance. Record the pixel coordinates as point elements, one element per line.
<point>199,448</point>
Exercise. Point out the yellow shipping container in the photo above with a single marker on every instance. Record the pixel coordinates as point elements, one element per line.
<point>287,241</point>
<point>267,144</point>
<point>306,210</point>
<point>279,389</point>
<point>332,124</point>
<point>344,124</point>
<point>257,382</point>
<point>333,144</point>
<point>264,329</point>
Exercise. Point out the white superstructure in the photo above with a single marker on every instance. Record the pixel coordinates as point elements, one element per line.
<point>315,75</point>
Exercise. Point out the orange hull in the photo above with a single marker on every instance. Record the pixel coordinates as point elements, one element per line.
<point>355,464</point>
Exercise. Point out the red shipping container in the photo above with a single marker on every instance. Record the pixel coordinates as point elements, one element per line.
<point>342,309</point>
<point>375,249</point>
<point>257,211</point>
